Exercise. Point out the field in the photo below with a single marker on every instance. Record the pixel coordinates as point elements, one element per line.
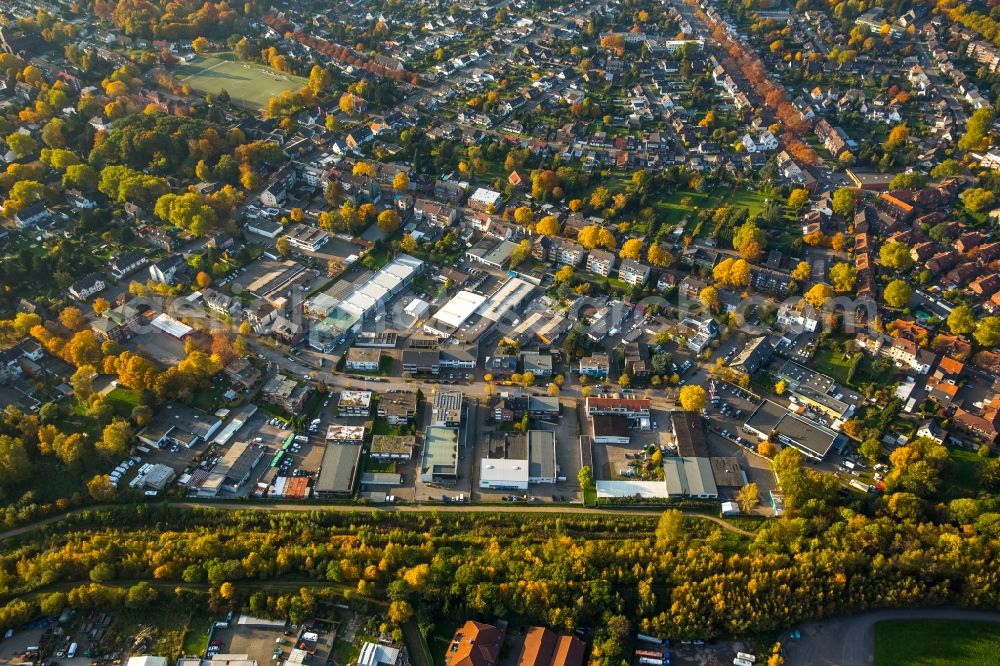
<point>933,642</point>
<point>249,85</point>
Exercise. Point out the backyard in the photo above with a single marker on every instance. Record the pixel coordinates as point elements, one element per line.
<point>932,642</point>
<point>249,84</point>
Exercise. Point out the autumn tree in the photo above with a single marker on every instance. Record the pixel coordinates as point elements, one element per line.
<point>709,298</point>
<point>802,271</point>
<point>748,497</point>
<point>692,398</point>
<point>897,294</point>
<point>631,249</point>
<point>749,240</point>
<point>818,295</point>
<point>388,221</point>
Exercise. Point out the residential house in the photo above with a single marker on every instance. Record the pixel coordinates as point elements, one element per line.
<point>168,269</point>
<point>594,366</point>
<point>87,286</point>
<point>475,644</point>
<point>127,263</point>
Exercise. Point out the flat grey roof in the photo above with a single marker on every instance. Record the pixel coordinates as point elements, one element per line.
<point>766,416</point>
<point>726,471</point>
<point>338,469</point>
<point>803,376</point>
<point>689,475</point>
<point>812,440</point>
<point>541,454</point>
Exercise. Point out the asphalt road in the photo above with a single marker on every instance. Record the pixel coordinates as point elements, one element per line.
<point>850,641</point>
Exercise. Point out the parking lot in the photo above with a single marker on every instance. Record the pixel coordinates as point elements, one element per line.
<point>735,405</point>
<point>265,641</point>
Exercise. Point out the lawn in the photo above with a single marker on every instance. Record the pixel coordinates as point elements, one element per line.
<point>249,85</point>
<point>196,636</point>
<point>124,400</point>
<point>967,464</point>
<point>933,642</point>
<point>835,364</point>
<point>674,210</point>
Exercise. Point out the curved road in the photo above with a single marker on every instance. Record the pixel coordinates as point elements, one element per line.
<point>408,508</point>
<point>850,641</point>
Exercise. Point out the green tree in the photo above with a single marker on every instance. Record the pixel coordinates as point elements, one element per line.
<point>896,255</point>
<point>988,331</point>
<point>977,130</point>
<point>871,450</point>
<point>897,294</point>
<point>961,321</point>
<point>843,276</point>
<point>844,201</point>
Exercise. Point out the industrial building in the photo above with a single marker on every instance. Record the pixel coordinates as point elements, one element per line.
<point>453,314</point>
<point>518,459</point>
<point>439,463</point>
<point>687,476</point>
<point>364,302</point>
<point>338,471</point>
<point>468,316</point>
<point>181,425</point>
<point>772,421</point>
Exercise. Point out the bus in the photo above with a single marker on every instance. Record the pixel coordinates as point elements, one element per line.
<point>277,458</point>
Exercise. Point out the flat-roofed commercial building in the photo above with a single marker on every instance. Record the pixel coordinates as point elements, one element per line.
<point>687,476</point>
<point>542,467</point>
<point>422,361</point>
<point>338,471</point>
<point>398,407</point>
<point>365,359</point>
<point>306,238</point>
<point>454,314</point>
<point>439,463</point>
<point>610,429</point>
<point>503,474</point>
<point>811,439</point>
<point>636,410</point>
<point>392,447</point>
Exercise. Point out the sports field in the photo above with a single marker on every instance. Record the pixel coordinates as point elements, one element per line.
<point>937,643</point>
<point>249,84</point>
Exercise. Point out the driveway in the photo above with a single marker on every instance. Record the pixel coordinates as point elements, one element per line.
<point>850,641</point>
